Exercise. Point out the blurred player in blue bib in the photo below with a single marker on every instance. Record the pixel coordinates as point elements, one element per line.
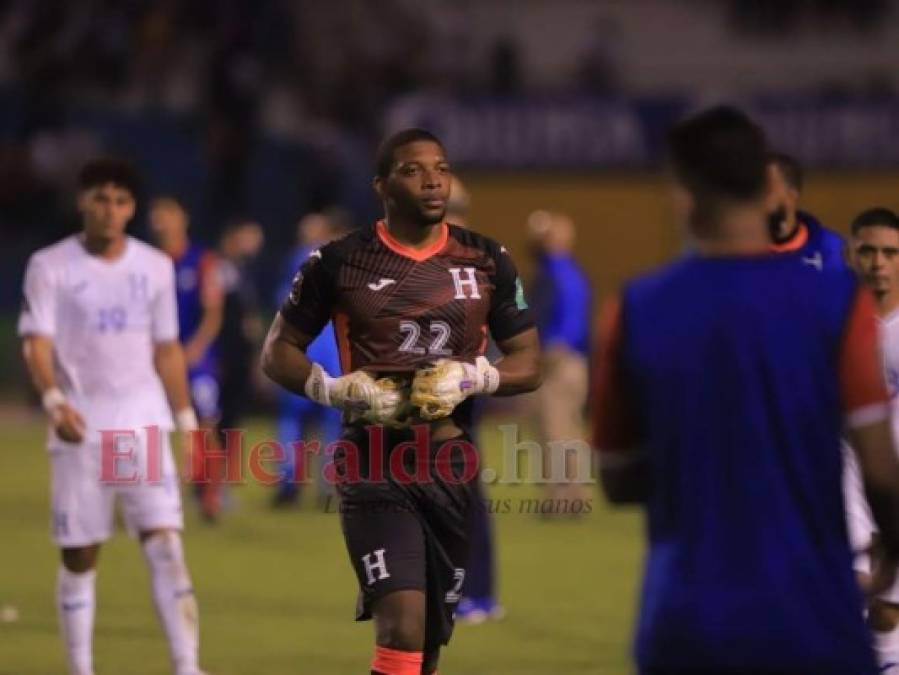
<point>200,306</point>
<point>725,382</point>
<point>793,230</point>
<point>296,414</point>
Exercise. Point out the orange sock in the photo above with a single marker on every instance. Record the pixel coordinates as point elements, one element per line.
<point>395,662</point>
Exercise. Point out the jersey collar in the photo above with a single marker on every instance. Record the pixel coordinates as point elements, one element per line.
<point>101,261</point>
<point>416,254</point>
<point>796,242</point>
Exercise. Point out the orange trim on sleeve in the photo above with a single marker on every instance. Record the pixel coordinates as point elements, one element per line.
<point>800,238</point>
<point>613,426</point>
<point>861,369</point>
<point>342,333</point>
<point>416,254</point>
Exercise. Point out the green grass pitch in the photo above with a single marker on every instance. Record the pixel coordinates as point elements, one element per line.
<point>276,592</point>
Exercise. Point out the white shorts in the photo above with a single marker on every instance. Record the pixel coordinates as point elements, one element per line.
<point>84,485</point>
<point>859,521</point>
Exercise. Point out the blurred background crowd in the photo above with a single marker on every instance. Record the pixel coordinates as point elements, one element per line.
<point>262,112</point>
<point>254,125</point>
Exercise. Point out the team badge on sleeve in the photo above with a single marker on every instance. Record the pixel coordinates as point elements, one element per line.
<point>520,302</point>
<point>295,286</point>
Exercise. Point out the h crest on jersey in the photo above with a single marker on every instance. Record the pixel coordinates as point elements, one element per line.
<point>470,281</point>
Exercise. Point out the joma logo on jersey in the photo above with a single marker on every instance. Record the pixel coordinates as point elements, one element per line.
<point>140,289</point>
<point>469,282</point>
<point>382,284</point>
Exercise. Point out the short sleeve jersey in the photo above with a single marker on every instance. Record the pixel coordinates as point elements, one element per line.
<point>396,309</point>
<point>104,318</point>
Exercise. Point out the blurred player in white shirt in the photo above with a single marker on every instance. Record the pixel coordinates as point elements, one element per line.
<point>875,256</point>
<point>100,337</point>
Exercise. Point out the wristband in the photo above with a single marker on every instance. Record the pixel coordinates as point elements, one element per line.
<point>489,375</point>
<point>186,420</point>
<point>52,399</point>
<point>318,385</point>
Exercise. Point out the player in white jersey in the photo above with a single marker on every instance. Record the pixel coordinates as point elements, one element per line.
<point>875,256</point>
<point>100,337</point>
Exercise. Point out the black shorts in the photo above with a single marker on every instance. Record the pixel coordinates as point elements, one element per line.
<point>404,534</point>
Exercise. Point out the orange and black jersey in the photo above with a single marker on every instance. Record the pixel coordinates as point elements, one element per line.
<point>396,309</point>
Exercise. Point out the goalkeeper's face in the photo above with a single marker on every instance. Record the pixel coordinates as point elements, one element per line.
<point>417,189</point>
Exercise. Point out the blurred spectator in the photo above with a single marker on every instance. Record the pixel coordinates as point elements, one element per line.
<point>458,205</point>
<point>600,66</point>
<point>234,91</point>
<point>505,71</point>
<point>782,17</point>
<point>561,297</point>
<point>221,100</point>
<point>297,414</point>
<point>199,297</point>
<point>242,329</point>
<point>479,600</point>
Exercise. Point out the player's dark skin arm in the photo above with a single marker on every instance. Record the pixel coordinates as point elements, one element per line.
<point>874,446</point>
<point>284,357</point>
<point>519,368</point>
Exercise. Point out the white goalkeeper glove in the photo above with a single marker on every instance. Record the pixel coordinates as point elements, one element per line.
<point>439,388</point>
<point>380,401</point>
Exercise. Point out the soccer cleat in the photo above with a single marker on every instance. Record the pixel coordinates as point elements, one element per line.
<point>469,612</point>
<point>211,503</point>
<point>208,500</point>
<point>475,611</point>
<point>287,495</point>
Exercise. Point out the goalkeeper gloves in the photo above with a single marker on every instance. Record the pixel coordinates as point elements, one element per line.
<point>439,388</point>
<point>380,401</point>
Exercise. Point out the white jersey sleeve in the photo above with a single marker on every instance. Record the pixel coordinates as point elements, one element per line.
<point>38,316</point>
<point>165,306</point>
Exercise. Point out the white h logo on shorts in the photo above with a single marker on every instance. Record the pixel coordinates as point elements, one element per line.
<point>460,284</point>
<point>380,565</point>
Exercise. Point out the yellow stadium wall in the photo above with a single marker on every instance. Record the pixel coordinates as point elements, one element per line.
<point>625,224</point>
